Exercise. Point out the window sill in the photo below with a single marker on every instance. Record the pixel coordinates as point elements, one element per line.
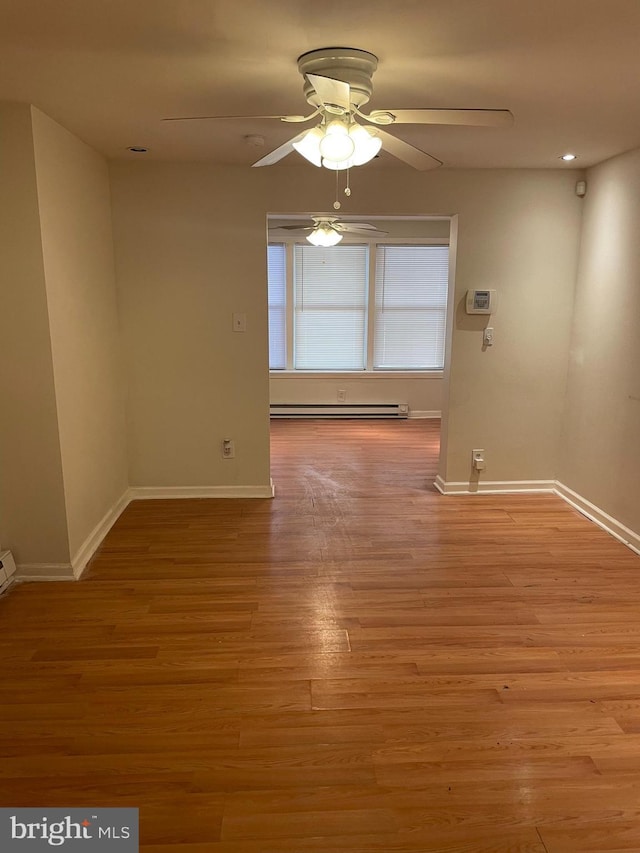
<point>356,374</point>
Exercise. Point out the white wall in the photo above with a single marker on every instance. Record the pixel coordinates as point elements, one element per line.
<point>601,447</point>
<point>77,248</point>
<point>422,393</point>
<point>32,509</point>
<point>190,249</point>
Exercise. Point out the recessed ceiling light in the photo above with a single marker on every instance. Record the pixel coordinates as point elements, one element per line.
<point>137,149</point>
<point>568,157</point>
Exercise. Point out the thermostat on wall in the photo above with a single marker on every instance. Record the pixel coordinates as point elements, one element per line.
<point>481,301</point>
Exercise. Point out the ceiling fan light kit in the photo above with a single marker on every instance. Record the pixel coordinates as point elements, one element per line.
<point>324,235</point>
<point>338,145</point>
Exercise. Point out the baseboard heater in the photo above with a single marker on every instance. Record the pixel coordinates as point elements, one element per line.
<point>339,410</point>
<point>7,569</point>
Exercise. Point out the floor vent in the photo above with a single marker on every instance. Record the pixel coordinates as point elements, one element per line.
<point>340,410</point>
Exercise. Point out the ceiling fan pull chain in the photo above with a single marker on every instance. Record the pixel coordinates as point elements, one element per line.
<point>336,203</point>
<point>347,189</point>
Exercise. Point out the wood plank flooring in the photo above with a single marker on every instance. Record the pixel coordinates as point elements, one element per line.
<point>357,666</point>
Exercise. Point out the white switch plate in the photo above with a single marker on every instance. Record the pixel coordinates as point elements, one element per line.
<point>239,322</point>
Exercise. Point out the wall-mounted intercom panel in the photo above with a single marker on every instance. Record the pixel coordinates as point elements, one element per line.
<point>481,301</point>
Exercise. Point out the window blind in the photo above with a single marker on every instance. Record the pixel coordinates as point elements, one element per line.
<point>330,307</point>
<point>411,307</point>
<point>276,278</point>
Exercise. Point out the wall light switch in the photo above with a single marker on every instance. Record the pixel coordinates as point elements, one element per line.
<point>239,322</point>
<point>487,336</point>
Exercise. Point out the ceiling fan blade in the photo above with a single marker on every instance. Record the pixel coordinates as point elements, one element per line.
<point>407,153</point>
<point>291,119</point>
<point>361,225</point>
<point>280,152</point>
<point>291,228</point>
<point>360,228</point>
<point>470,118</point>
<point>331,92</point>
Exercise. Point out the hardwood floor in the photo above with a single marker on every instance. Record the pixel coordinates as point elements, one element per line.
<point>357,665</point>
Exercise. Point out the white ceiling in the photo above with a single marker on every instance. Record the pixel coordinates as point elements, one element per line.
<point>110,70</point>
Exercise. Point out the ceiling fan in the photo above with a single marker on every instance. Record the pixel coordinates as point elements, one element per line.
<point>338,84</point>
<point>328,230</point>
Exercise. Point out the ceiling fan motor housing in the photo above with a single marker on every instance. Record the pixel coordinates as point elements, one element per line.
<point>347,64</point>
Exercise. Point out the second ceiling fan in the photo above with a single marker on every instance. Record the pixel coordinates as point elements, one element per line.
<point>329,230</point>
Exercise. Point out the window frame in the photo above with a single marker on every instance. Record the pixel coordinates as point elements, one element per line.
<point>368,371</point>
<point>280,307</point>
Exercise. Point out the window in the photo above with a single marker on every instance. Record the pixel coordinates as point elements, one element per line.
<point>357,307</point>
<point>411,307</point>
<point>330,307</point>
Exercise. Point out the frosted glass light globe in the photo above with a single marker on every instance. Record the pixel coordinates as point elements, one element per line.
<point>309,146</point>
<point>337,145</point>
<point>324,236</point>
<point>366,145</point>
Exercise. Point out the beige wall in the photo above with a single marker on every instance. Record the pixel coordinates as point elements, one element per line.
<point>190,250</point>
<point>32,509</point>
<point>517,233</point>
<point>77,247</point>
<point>601,447</point>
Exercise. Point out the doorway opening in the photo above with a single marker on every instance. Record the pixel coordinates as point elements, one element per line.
<point>359,330</point>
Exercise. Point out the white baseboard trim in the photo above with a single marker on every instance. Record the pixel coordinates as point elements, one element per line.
<point>600,517</point>
<point>137,493</point>
<point>74,569</point>
<point>44,572</point>
<point>417,413</point>
<point>88,548</point>
<point>494,487</point>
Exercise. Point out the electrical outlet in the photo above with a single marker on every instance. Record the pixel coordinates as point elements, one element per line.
<point>477,460</point>
<point>228,449</point>
<point>342,395</point>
